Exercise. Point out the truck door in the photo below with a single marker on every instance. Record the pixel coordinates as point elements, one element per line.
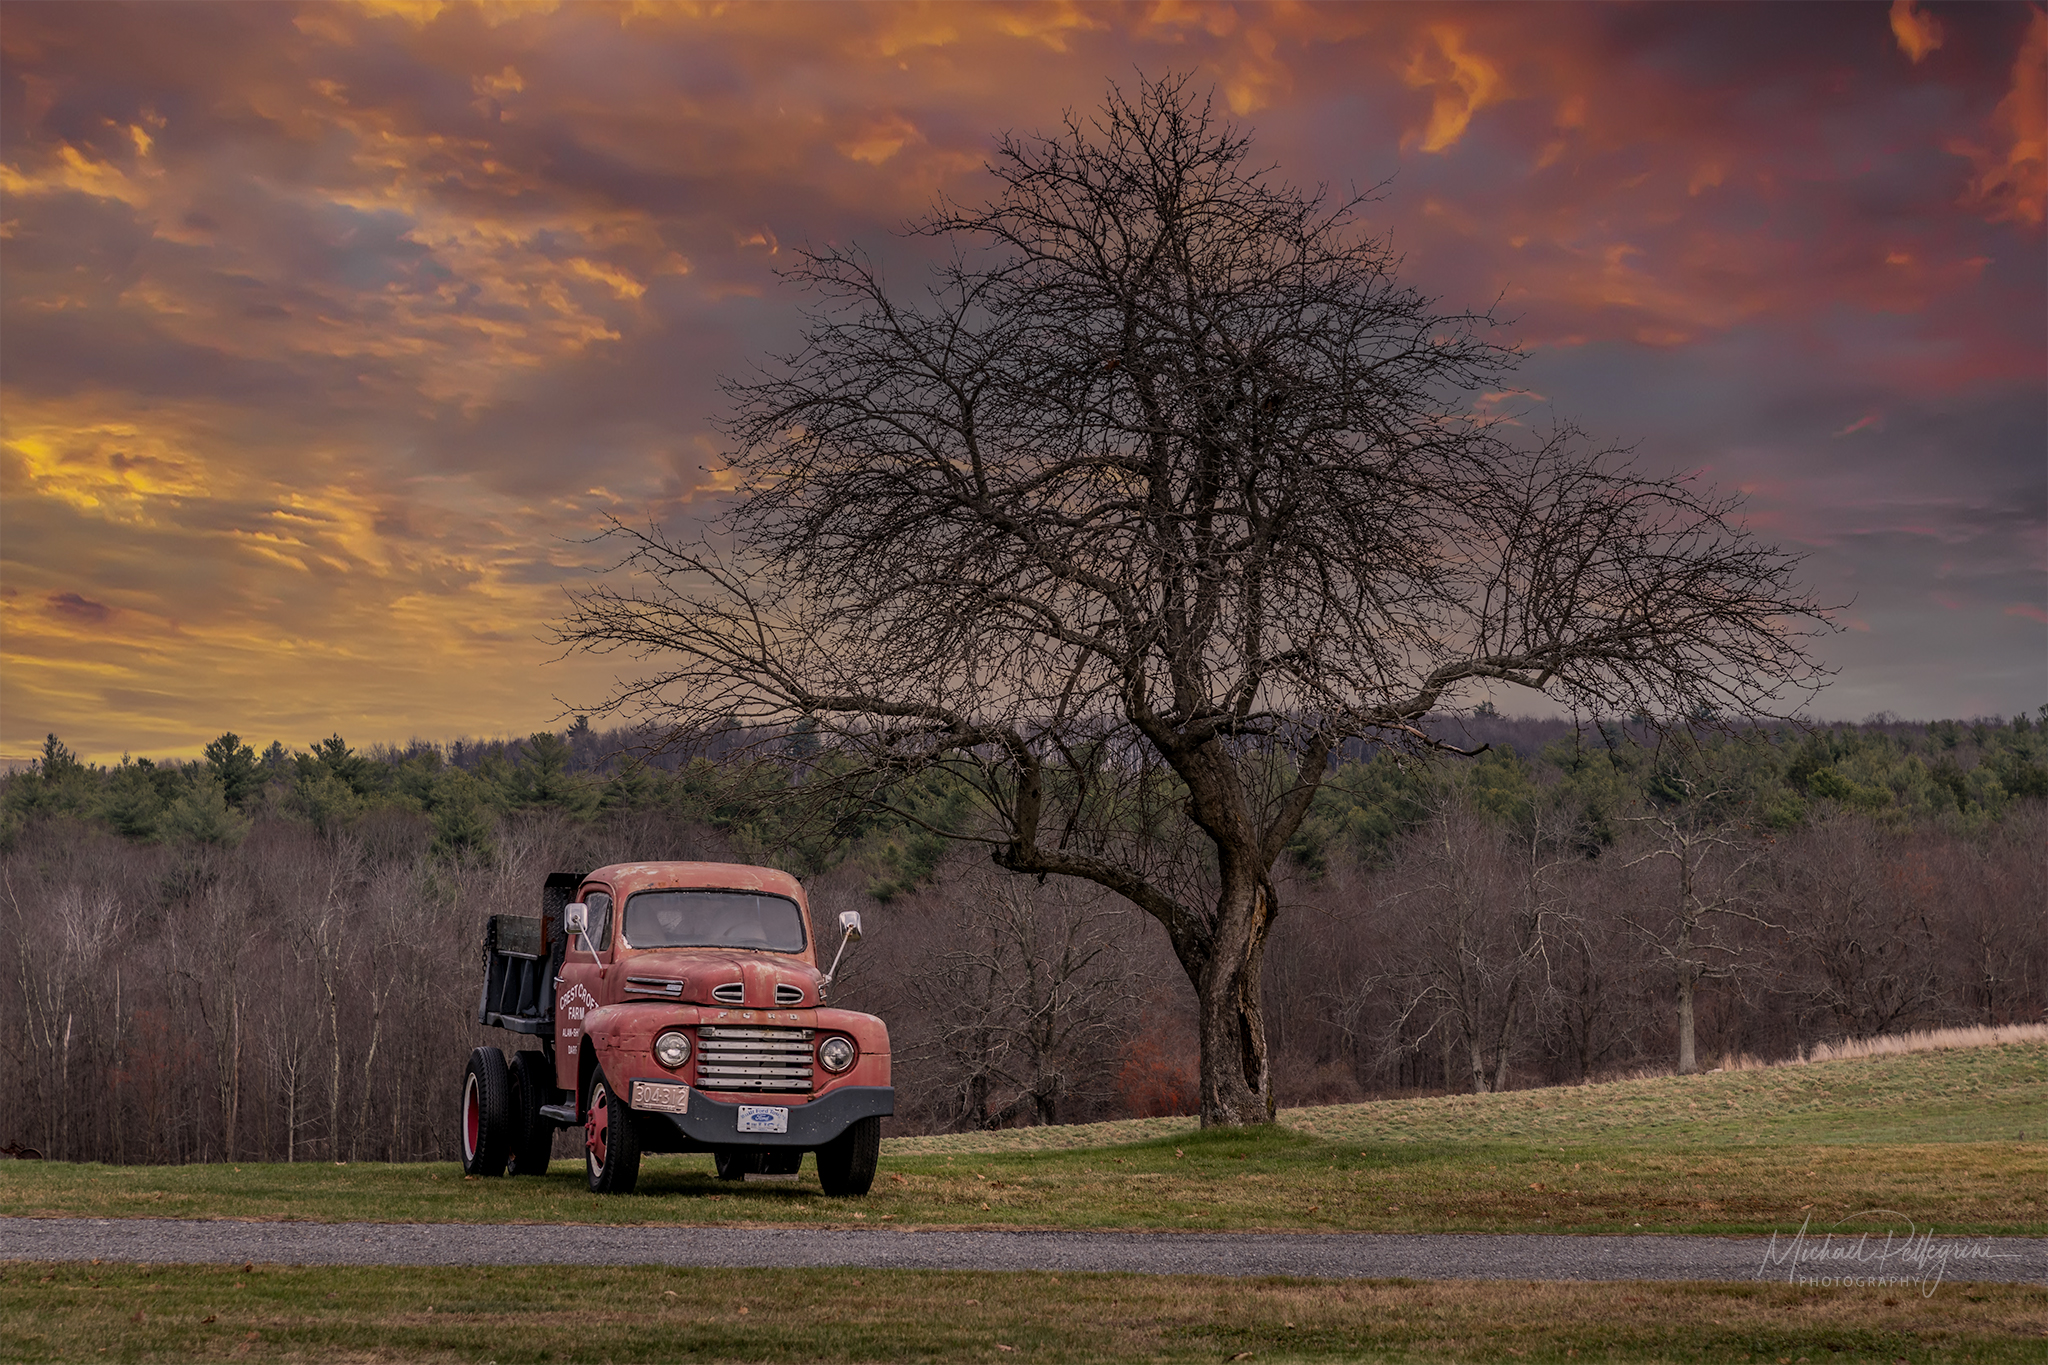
<point>580,987</point>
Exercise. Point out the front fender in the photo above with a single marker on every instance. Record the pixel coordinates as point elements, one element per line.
<point>617,1039</point>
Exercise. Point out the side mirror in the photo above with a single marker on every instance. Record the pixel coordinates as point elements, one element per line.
<point>849,924</point>
<point>576,918</point>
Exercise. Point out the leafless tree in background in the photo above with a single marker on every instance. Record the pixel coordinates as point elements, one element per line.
<point>1597,977</point>
<point>1702,863</point>
<point>1988,896</point>
<point>214,942</point>
<point>1026,1000</point>
<point>1856,907</point>
<point>65,967</point>
<point>1482,909</point>
<point>1164,491</point>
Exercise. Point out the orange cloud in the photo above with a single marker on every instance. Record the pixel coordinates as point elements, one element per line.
<point>1918,33</point>
<point>2011,184</point>
<point>1051,24</point>
<point>880,139</point>
<point>1464,83</point>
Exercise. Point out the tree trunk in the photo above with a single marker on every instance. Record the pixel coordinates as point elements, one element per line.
<point>1507,1036</point>
<point>334,1068</point>
<point>1688,1061</point>
<point>977,1095</point>
<point>1237,1081</point>
<point>1222,952</point>
<point>369,1067</point>
<point>1475,1060</point>
<point>234,1105</point>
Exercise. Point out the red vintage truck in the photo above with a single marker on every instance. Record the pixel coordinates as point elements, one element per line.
<point>677,1007</point>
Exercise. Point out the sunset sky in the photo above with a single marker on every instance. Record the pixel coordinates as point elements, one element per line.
<point>329,333</point>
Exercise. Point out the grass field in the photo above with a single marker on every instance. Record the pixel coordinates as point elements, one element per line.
<point>1953,1140</point>
<point>122,1313</point>
<point>1957,1141</point>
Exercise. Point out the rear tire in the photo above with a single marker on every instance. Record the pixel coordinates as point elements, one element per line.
<point>485,1126</point>
<point>846,1164</point>
<point>611,1142</point>
<point>533,1085</point>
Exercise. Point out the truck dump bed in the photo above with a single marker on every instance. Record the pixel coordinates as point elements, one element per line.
<point>522,955</point>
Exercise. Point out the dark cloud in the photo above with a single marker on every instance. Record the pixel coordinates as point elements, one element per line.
<point>79,610</point>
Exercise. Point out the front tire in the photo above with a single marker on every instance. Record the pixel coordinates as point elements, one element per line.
<point>486,1127</point>
<point>846,1164</point>
<point>533,1085</point>
<point>611,1143</point>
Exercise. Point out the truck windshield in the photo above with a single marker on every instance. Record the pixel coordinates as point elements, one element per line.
<point>714,919</point>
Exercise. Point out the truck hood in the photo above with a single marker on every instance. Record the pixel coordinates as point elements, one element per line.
<point>655,976</point>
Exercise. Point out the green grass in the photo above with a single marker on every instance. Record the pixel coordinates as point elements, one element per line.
<point>1931,1136</point>
<point>1983,1094</point>
<point>74,1312</point>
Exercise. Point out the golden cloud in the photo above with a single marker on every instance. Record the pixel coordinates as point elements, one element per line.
<point>880,139</point>
<point>1918,32</point>
<point>224,588</point>
<point>2011,183</point>
<point>1463,83</point>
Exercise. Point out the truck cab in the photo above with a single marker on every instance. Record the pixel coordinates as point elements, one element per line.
<point>678,1007</point>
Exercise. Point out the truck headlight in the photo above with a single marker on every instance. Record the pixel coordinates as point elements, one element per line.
<point>672,1049</point>
<point>835,1054</point>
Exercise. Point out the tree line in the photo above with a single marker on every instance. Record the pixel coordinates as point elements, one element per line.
<point>273,956</point>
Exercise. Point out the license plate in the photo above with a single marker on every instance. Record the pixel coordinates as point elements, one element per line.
<point>662,1097</point>
<point>763,1118</point>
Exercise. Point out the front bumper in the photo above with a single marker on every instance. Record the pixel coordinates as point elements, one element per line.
<point>710,1123</point>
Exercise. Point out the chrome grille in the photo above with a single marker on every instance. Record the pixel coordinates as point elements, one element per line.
<point>787,995</point>
<point>731,993</point>
<point>754,1059</point>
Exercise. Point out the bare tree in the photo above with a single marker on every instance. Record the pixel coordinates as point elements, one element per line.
<point>1482,910</point>
<point>1164,490</point>
<point>1987,898</point>
<point>1596,979</point>
<point>1859,910</point>
<point>62,946</point>
<point>303,883</point>
<point>1690,923</point>
<point>1025,1005</point>
<point>214,946</point>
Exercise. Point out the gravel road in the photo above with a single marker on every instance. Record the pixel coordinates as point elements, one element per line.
<point>1332,1255</point>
